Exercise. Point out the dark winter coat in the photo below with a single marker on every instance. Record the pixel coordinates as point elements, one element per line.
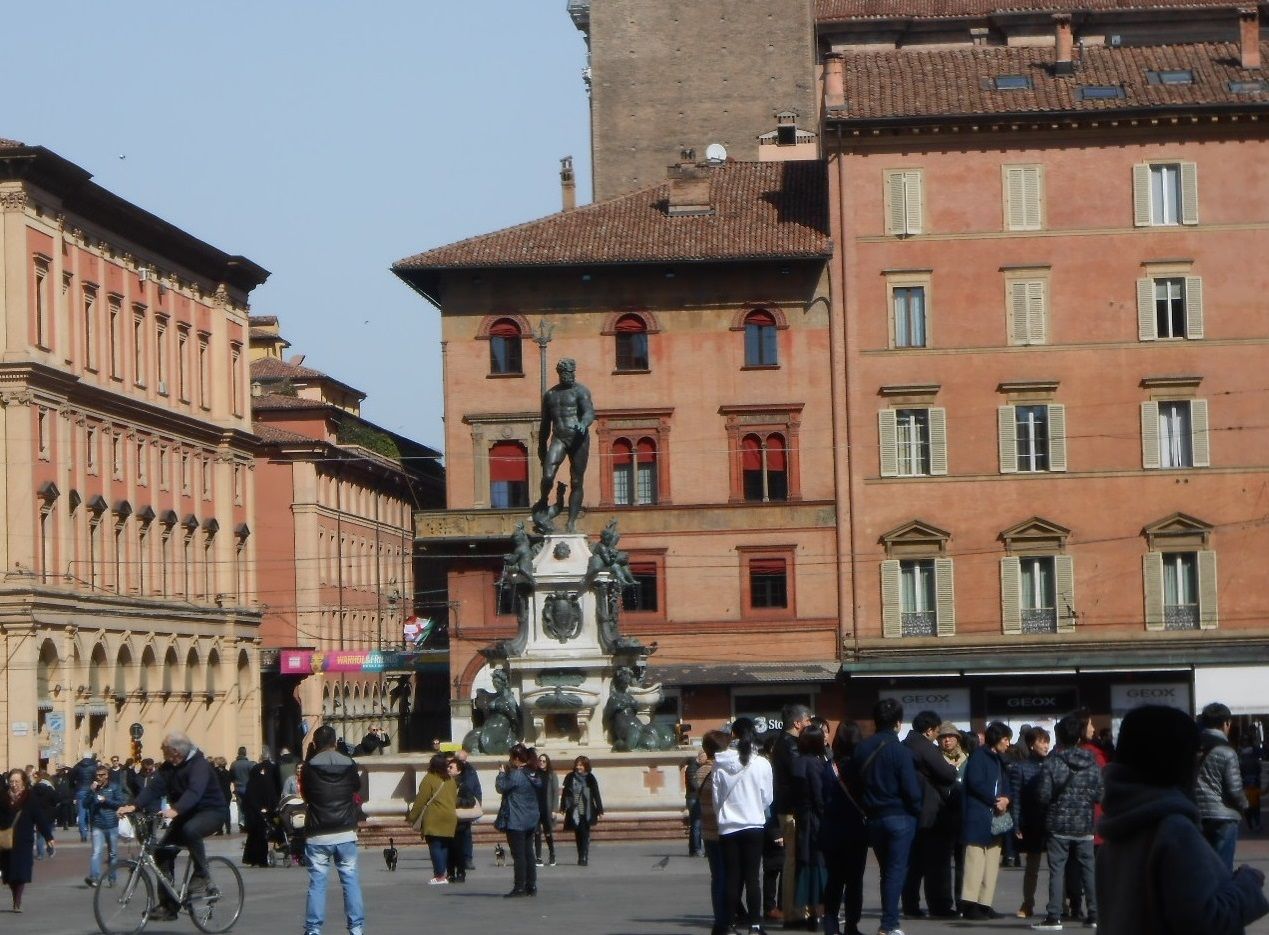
<point>984,781</point>
<point>842,825</point>
<point>808,807</point>
<point>568,796</point>
<point>1156,874</point>
<point>240,769</point>
<point>83,774</point>
<point>329,784</point>
<point>189,787</point>
<point>1218,789</point>
<point>18,865</point>
<point>103,805</point>
<point>784,753</point>
<point>519,810</point>
<point>1026,808</point>
<point>938,777</point>
<point>1070,787</point>
<point>888,781</point>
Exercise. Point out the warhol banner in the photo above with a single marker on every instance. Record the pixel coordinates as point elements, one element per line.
<point>308,661</point>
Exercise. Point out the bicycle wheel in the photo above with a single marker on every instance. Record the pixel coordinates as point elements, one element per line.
<point>124,908</point>
<point>219,908</point>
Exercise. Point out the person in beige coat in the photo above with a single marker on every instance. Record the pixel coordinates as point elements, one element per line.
<point>433,813</point>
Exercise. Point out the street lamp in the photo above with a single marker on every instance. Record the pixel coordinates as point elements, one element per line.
<point>542,337</point>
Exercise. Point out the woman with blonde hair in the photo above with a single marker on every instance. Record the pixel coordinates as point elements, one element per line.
<point>434,814</point>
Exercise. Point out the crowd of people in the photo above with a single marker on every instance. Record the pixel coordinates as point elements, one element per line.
<point>787,818</point>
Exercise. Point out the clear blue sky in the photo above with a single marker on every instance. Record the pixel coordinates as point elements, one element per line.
<point>322,139</point>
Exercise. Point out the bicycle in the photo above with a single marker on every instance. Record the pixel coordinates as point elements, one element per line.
<point>125,908</point>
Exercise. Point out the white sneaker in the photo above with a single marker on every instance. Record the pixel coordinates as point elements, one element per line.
<point>438,881</point>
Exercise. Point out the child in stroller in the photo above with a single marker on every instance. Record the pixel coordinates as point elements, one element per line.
<point>286,832</point>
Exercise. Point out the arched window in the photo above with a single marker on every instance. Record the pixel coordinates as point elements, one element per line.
<point>504,347</point>
<point>765,467</point>
<point>508,475</point>
<point>634,472</point>
<point>632,343</point>
<point>760,339</point>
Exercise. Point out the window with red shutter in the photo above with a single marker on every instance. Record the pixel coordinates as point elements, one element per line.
<point>504,347</point>
<point>632,343</point>
<point>508,475</point>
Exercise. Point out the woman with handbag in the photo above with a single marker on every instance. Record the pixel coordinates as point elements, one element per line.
<point>987,795</point>
<point>433,814</point>
<point>581,805</point>
<point>468,812</point>
<point>518,815</point>
<point>21,819</point>
<point>843,835</point>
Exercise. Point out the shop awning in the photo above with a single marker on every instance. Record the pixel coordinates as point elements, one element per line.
<point>756,673</point>
<point>1243,688</point>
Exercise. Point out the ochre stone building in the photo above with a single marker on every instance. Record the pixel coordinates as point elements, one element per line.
<point>128,503</point>
<point>336,496</point>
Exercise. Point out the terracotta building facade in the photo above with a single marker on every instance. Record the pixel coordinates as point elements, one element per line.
<point>336,499</point>
<point>1051,338</point>
<point>128,510</point>
<point>700,325</point>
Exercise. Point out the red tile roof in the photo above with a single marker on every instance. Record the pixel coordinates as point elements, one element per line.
<point>910,83</point>
<point>271,368</point>
<point>273,435</point>
<point>761,210</point>
<point>278,401</point>
<point>829,11</point>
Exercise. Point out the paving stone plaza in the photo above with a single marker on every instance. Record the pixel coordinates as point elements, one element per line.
<point>648,888</point>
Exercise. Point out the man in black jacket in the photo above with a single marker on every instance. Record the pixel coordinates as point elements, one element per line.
<point>195,806</point>
<point>330,783</point>
<point>796,718</point>
<point>931,857</point>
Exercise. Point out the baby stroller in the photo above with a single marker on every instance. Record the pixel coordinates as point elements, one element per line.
<point>286,832</point>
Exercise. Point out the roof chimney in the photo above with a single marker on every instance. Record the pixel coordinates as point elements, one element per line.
<point>689,190</point>
<point>1249,37</point>
<point>834,80</point>
<point>1063,61</point>
<point>568,185</point>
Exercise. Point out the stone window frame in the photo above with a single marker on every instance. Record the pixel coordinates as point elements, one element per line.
<point>526,334</point>
<point>907,279</point>
<point>1179,532</point>
<point>491,427</point>
<point>633,424</point>
<point>739,322</point>
<point>1036,538</point>
<point>650,556</point>
<point>920,541</point>
<point>763,419</point>
<point>651,326</point>
<point>750,553</point>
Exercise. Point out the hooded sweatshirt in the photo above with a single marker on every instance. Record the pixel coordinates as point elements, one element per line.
<point>1157,875</point>
<point>1070,786</point>
<point>742,793</point>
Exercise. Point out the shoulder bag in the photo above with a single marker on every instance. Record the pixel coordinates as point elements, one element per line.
<point>417,824</point>
<point>1002,823</point>
<point>7,836</point>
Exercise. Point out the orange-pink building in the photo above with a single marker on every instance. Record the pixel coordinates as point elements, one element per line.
<point>335,500</point>
<point>128,504</point>
<point>1053,330</point>
<point>697,312</point>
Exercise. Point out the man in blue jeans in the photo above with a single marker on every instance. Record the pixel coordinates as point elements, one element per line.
<point>329,784</point>
<point>887,786</point>
<point>1218,786</point>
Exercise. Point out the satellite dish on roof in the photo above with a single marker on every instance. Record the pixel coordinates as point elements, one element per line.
<point>715,153</point>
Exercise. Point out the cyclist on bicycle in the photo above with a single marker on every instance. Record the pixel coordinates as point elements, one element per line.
<point>195,806</point>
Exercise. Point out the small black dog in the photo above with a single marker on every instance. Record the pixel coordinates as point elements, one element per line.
<point>500,856</point>
<point>390,855</point>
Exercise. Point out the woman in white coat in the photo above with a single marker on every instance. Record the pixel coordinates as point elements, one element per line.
<point>743,789</point>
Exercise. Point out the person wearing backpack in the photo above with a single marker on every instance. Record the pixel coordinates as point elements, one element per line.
<point>892,798</point>
<point>1218,788</point>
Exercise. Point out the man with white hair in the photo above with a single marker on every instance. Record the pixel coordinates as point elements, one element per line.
<point>196,807</point>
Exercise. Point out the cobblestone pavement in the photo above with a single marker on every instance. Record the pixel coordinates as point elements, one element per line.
<point>628,889</point>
